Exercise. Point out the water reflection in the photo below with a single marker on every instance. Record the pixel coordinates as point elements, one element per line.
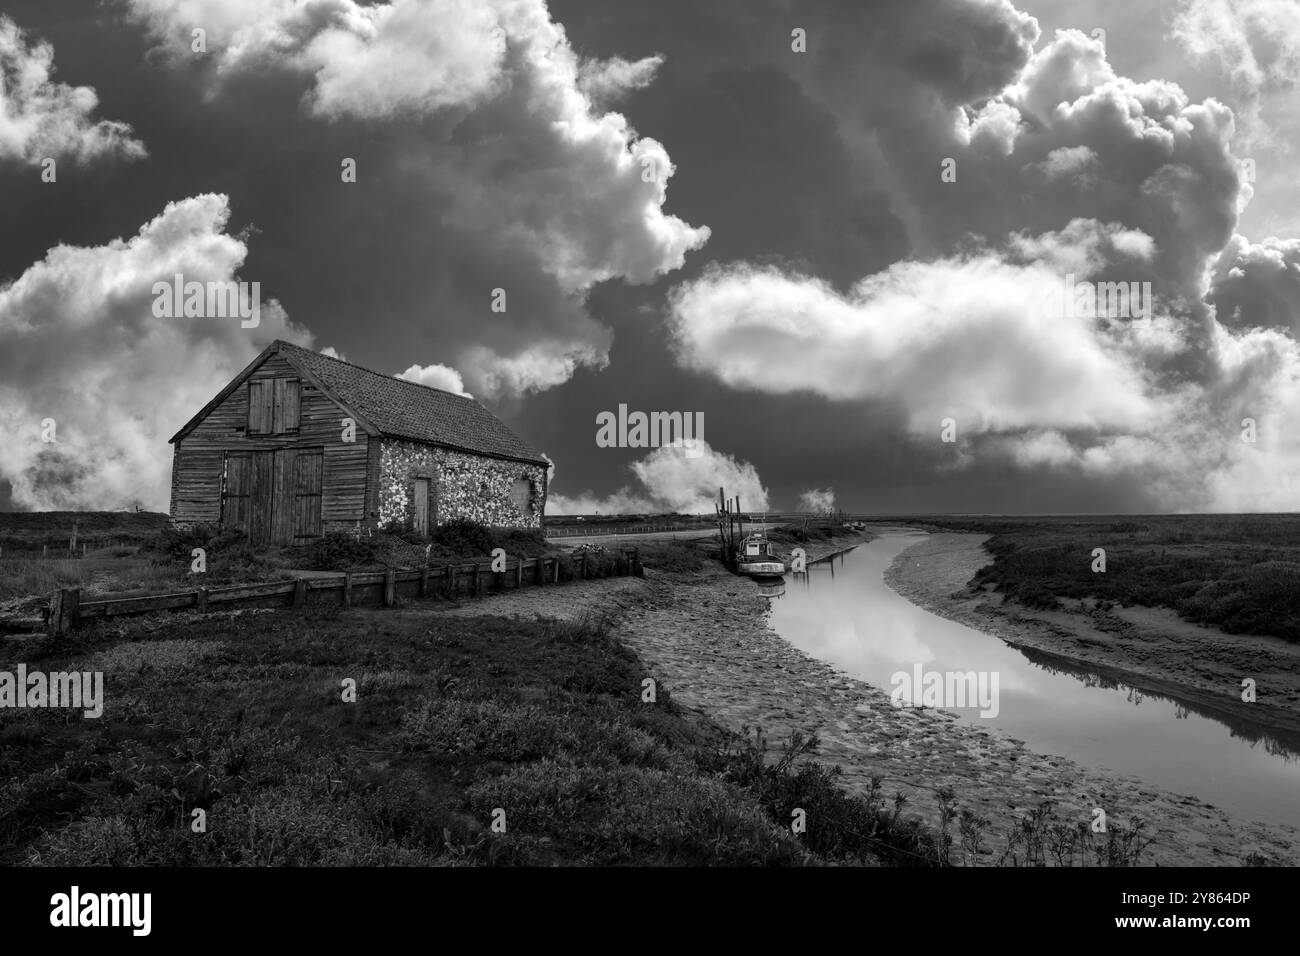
<point>842,612</point>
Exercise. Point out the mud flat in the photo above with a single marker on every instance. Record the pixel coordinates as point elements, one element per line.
<point>706,637</point>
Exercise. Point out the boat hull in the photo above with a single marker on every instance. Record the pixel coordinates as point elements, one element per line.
<point>761,569</point>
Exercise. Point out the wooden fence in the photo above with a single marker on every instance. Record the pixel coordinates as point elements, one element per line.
<point>67,611</point>
<point>596,531</point>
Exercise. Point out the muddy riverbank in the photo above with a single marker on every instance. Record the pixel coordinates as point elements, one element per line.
<point>706,637</point>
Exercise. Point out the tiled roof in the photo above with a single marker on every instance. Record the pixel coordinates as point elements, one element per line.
<point>402,409</point>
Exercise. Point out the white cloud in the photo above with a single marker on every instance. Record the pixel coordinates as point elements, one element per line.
<point>79,344</point>
<point>436,376</point>
<point>818,501</point>
<point>542,178</point>
<point>668,480</point>
<point>40,118</point>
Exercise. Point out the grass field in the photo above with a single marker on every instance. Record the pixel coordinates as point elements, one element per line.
<point>455,719</point>
<point>1240,573</point>
<point>151,558</point>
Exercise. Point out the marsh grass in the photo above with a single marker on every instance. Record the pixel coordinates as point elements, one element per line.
<point>1240,573</point>
<point>241,715</point>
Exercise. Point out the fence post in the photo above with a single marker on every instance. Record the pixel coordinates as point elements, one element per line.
<point>474,588</point>
<point>201,600</point>
<point>390,587</point>
<point>556,578</point>
<point>451,580</point>
<point>300,592</point>
<point>65,611</point>
<point>519,572</point>
<point>424,581</point>
<point>583,564</point>
<point>56,614</point>
<point>347,589</point>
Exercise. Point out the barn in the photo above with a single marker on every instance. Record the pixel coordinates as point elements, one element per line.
<point>300,444</point>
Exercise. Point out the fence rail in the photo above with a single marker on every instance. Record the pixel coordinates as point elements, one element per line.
<point>67,611</point>
<point>592,531</point>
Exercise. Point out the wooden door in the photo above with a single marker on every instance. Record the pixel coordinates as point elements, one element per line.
<point>310,470</point>
<point>283,495</point>
<point>261,489</point>
<point>234,504</point>
<point>422,505</point>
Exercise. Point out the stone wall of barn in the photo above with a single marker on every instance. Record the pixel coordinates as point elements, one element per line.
<point>467,486</point>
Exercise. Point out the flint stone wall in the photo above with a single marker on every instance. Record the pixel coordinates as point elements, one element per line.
<point>467,486</point>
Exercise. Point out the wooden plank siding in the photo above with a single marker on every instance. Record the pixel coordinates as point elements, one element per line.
<point>344,475</point>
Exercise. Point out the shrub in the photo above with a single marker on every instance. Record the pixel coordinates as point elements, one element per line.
<point>336,551</point>
<point>463,536</point>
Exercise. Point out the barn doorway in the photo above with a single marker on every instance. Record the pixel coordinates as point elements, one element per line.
<point>425,506</point>
<point>273,496</point>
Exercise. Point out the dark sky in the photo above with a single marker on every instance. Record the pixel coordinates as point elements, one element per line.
<point>809,282</point>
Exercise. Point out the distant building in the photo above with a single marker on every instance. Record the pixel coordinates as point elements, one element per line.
<point>299,444</point>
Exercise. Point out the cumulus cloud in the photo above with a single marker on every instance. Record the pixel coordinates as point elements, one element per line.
<point>817,500</point>
<point>547,189</point>
<point>436,376</point>
<point>79,344</point>
<point>1068,169</point>
<point>963,338</point>
<point>40,118</point>
<point>1257,285</point>
<point>1256,42</point>
<point>668,480</point>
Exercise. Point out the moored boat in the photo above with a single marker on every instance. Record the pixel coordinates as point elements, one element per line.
<point>754,557</point>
